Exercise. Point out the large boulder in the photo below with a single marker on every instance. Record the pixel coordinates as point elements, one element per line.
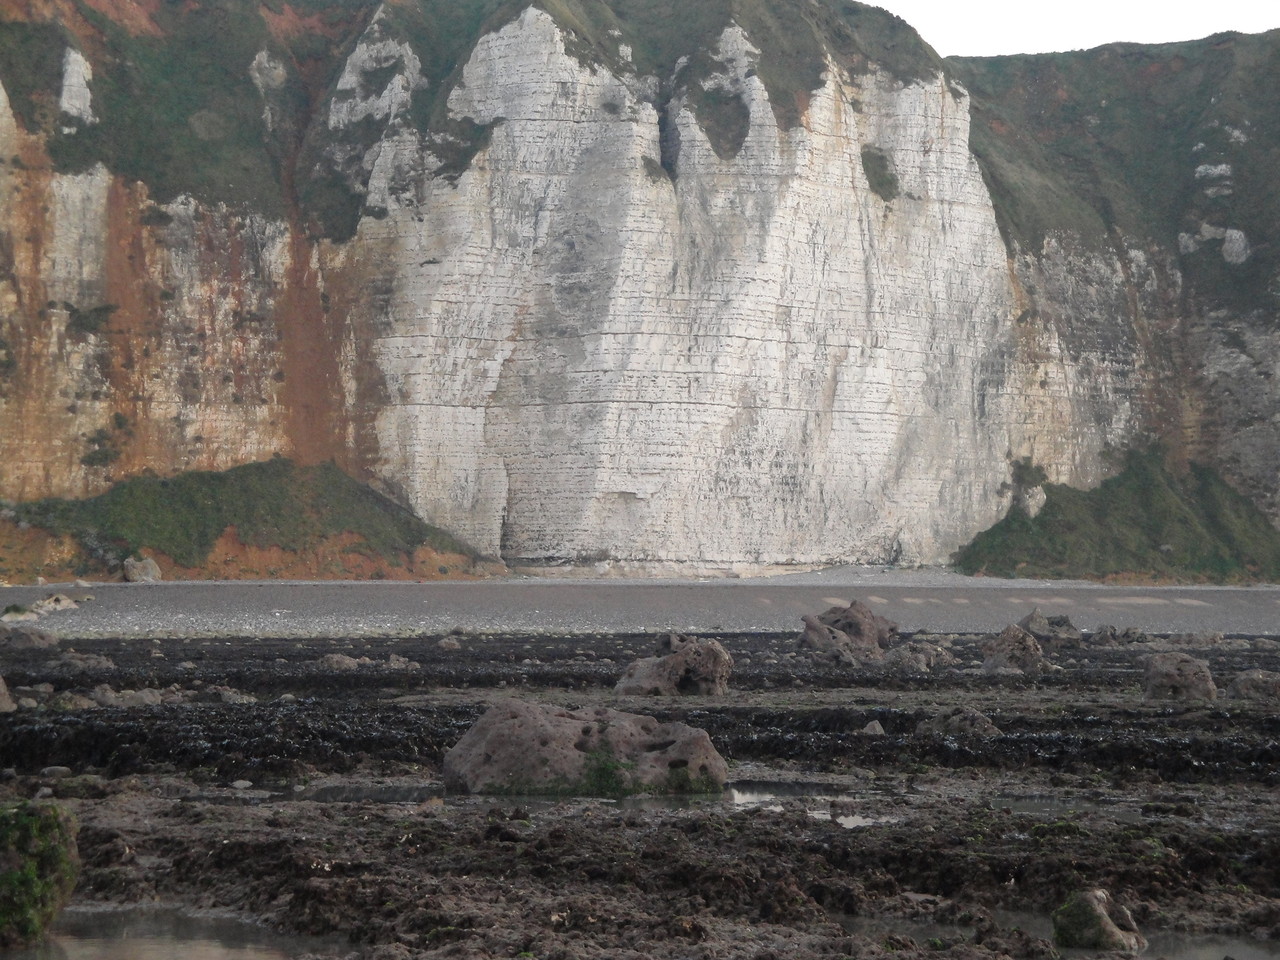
<point>830,643</point>
<point>145,570</point>
<point>1255,685</point>
<point>861,624</point>
<point>1091,920</point>
<point>38,869</point>
<point>1178,676</point>
<point>1053,633</point>
<point>521,747</point>
<point>1014,649</point>
<point>690,666</point>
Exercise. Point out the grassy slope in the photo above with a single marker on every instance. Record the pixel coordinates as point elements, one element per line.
<point>272,503</point>
<point>1146,520</point>
<point>1085,141</point>
<point>1107,138</point>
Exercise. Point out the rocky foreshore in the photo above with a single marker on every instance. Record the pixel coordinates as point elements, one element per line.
<point>302,783</point>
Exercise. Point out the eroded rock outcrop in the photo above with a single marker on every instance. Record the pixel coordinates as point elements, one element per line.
<point>26,636</point>
<point>685,665</point>
<point>853,635</point>
<point>1178,676</point>
<point>1053,633</point>
<point>524,747</point>
<point>918,656</point>
<point>1107,635</point>
<point>821,640</point>
<point>39,864</point>
<point>1014,649</point>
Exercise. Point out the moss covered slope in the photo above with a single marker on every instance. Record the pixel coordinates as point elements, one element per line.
<point>269,504</point>
<point>1147,520</point>
<point>1122,139</point>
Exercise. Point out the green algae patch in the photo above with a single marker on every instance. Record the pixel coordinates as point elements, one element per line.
<point>1147,521</point>
<point>39,865</point>
<point>273,503</point>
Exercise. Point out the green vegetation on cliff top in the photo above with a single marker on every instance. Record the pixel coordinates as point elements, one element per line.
<point>272,503</point>
<point>1115,141</point>
<point>1147,520</point>
<point>180,111</point>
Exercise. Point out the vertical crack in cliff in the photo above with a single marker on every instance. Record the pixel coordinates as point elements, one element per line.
<point>668,138</point>
<point>131,324</point>
<point>311,333</point>
<point>316,422</point>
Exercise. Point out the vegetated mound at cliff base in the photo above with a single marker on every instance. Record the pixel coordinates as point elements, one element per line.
<point>262,520</point>
<point>1148,521</point>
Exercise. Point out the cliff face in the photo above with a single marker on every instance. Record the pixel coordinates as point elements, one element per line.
<point>573,282</point>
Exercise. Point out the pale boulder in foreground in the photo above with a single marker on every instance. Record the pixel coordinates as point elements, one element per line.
<point>526,747</point>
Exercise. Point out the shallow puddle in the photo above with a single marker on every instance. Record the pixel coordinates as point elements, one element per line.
<point>1051,806</point>
<point>86,933</point>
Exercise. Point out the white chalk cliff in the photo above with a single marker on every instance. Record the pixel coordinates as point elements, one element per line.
<point>606,335</point>
<point>757,358</point>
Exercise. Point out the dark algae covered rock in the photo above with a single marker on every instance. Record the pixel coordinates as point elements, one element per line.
<point>39,865</point>
<point>1091,920</point>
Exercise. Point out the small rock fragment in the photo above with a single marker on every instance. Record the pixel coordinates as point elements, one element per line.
<point>962,721</point>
